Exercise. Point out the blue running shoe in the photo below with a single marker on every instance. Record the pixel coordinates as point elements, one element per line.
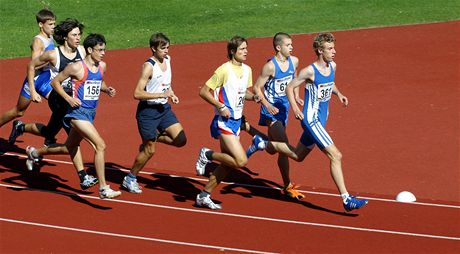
<point>258,144</point>
<point>352,203</point>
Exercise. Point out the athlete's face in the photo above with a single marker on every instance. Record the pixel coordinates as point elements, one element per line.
<point>97,52</point>
<point>161,51</point>
<point>328,51</point>
<point>241,52</point>
<point>73,38</point>
<point>48,26</point>
<point>286,47</point>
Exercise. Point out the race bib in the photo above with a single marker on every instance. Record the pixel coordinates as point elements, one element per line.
<point>281,84</point>
<point>325,91</point>
<point>67,85</point>
<point>92,90</point>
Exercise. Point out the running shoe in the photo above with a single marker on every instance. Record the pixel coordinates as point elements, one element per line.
<point>31,159</point>
<point>88,182</point>
<point>202,161</point>
<point>49,142</point>
<point>106,192</point>
<point>15,132</point>
<point>131,185</point>
<point>352,203</point>
<point>258,144</point>
<point>292,192</point>
<point>206,202</point>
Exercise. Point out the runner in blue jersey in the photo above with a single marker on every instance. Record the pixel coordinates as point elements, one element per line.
<point>86,83</point>
<point>274,111</point>
<point>320,86</point>
<point>41,43</point>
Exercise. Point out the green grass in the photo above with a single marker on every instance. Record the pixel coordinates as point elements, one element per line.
<point>128,24</point>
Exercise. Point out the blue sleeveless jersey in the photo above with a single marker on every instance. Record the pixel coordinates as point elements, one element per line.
<point>88,88</point>
<point>275,87</point>
<point>317,96</point>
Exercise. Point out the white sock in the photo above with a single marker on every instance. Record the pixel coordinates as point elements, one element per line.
<point>345,196</point>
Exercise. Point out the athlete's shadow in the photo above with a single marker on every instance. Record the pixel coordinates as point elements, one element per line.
<point>6,147</point>
<point>264,188</point>
<point>39,181</point>
<point>182,188</point>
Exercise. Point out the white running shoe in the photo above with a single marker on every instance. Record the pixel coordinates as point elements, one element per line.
<point>131,185</point>
<point>88,182</point>
<point>31,159</point>
<point>206,202</point>
<point>106,192</point>
<point>202,161</point>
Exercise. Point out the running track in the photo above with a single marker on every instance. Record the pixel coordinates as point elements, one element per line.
<point>400,132</point>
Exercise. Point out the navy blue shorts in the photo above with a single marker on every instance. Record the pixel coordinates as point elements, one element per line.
<point>80,113</point>
<point>282,116</point>
<point>154,119</point>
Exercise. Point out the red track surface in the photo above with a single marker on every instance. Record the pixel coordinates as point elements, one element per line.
<point>400,132</point>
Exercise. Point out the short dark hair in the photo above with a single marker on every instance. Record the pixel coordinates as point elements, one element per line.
<point>92,40</point>
<point>233,45</point>
<point>44,15</point>
<point>64,28</point>
<point>158,40</point>
<point>278,38</point>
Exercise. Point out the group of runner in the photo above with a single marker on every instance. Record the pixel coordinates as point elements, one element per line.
<point>71,78</point>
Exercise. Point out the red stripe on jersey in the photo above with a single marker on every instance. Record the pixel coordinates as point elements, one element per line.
<point>76,85</point>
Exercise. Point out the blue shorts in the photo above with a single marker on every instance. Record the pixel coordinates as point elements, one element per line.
<point>42,85</point>
<point>227,126</point>
<point>282,115</point>
<point>315,133</point>
<point>153,119</point>
<point>80,113</point>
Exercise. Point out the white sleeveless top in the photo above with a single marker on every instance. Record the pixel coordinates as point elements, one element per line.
<point>160,81</point>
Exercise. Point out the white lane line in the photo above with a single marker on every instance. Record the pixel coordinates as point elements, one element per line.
<point>221,248</point>
<point>254,186</point>
<point>246,216</point>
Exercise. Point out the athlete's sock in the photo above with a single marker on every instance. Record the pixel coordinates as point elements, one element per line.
<point>81,175</point>
<point>21,128</point>
<point>208,154</point>
<point>204,194</point>
<point>131,177</point>
<point>345,196</point>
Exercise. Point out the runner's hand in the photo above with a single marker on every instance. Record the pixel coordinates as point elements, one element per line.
<point>174,99</point>
<point>74,102</point>
<point>298,114</point>
<point>111,91</point>
<point>35,97</point>
<point>272,109</point>
<point>343,99</point>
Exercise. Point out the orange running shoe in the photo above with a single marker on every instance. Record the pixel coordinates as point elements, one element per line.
<point>292,192</point>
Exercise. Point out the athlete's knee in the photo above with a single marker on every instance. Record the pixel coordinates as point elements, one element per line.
<point>149,149</point>
<point>241,162</point>
<point>19,112</point>
<point>335,155</point>
<point>100,146</point>
<point>180,140</point>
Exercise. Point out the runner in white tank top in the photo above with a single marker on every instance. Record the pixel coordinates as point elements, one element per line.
<point>156,121</point>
